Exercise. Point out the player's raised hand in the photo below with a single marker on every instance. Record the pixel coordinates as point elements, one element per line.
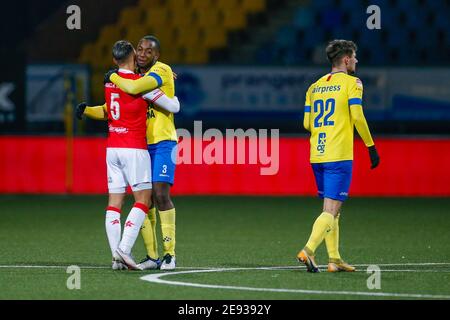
<point>374,157</point>
<point>109,74</point>
<point>79,110</point>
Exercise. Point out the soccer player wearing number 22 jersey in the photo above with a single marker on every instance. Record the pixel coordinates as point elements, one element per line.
<point>333,108</point>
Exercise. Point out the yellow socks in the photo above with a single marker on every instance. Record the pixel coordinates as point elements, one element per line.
<point>324,223</point>
<point>168,230</point>
<point>148,232</point>
<point>332,241</point>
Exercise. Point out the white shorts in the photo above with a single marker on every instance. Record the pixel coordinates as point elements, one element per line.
<point>128,167</point>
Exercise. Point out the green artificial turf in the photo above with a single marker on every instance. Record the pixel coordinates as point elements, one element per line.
<point>41,236</point>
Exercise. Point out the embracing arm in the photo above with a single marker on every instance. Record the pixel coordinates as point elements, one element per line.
<point>144,84</point>
<point>159,98</point>
<point>96,113</point>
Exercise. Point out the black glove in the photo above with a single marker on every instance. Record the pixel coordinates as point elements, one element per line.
<point>374,157</point>
<point>109,74</point>
<point>80,110</point>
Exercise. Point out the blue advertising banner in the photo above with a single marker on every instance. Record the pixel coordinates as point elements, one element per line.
<point>394,93</point>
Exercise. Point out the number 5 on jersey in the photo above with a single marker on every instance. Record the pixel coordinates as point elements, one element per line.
<point>115,106</point>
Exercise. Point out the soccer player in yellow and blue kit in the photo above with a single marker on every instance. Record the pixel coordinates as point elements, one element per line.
<point>333,108</point>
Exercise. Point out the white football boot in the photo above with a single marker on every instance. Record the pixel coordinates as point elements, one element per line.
<point>127,259</point>
<point>117,265</point>
<point>168,262</point>
<point>149,264</point>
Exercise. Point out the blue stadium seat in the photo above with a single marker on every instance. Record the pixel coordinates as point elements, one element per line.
<point>414,20</point>
<point>286,35</point>
<point>358,19</point>
<point>407,25</point>
<point>331,18</point>
<point>352,6</point>
<point>303,18</point>
<point>320,4</point>
<point>378,56</point>
<point>345,32</point>
<point>398,38</point>
<point>266,54</point>
<point>383,4</point>
<point>291,55</point>
<point>407,5</point>
<point>313,36</point>
<point>426,36</point>
<point>370,38</point>
<point>442,19</point>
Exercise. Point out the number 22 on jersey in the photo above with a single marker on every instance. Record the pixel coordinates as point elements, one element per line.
<point>115,106</point>
<point>324,108</point>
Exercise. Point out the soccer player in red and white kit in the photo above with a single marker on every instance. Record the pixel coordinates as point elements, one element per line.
<point>127,159</point>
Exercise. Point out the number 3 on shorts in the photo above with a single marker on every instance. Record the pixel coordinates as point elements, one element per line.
<point>115,106</point>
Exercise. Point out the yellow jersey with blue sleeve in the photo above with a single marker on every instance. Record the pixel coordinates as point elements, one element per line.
<point>160,123</point>
<point>333,107</point>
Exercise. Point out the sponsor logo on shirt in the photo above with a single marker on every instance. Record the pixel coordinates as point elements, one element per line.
<point>321,142</point>
<point>118,130</point>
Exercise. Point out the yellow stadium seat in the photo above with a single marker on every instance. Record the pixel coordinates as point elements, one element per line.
<point>178,4</point>
<point>253,5</point>
<point>165,36</point>
<point>202,4</point>
<point>195,55</point>
<point>168,54</point>
<point>87,53</point>
<point>187,29</point>
<point>209,18</point>
<point>233,20</point>
<point>109,33</point>
<point>180,17</point>
<point>228,4</point>
<point>213,37</point>
<point>130,15</point>
<point>135,33</point>
<point>156,16</point>
<point>104,54</point>
<point>151,4</point>
<point>186,36</point>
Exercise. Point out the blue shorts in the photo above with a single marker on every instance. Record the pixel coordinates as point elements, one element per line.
<point>163,166</point>
<point>333,179</point>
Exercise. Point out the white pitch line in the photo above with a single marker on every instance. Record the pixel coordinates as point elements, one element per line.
<point>405,264</point>
<point>156,278</point>
<point>81,267</point>
<point>48,267</point>
<point>418,264</point>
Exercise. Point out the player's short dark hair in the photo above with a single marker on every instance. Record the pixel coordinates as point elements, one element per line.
<point>337,49</point>
<point>122,50</point>
<point>155,40</point>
